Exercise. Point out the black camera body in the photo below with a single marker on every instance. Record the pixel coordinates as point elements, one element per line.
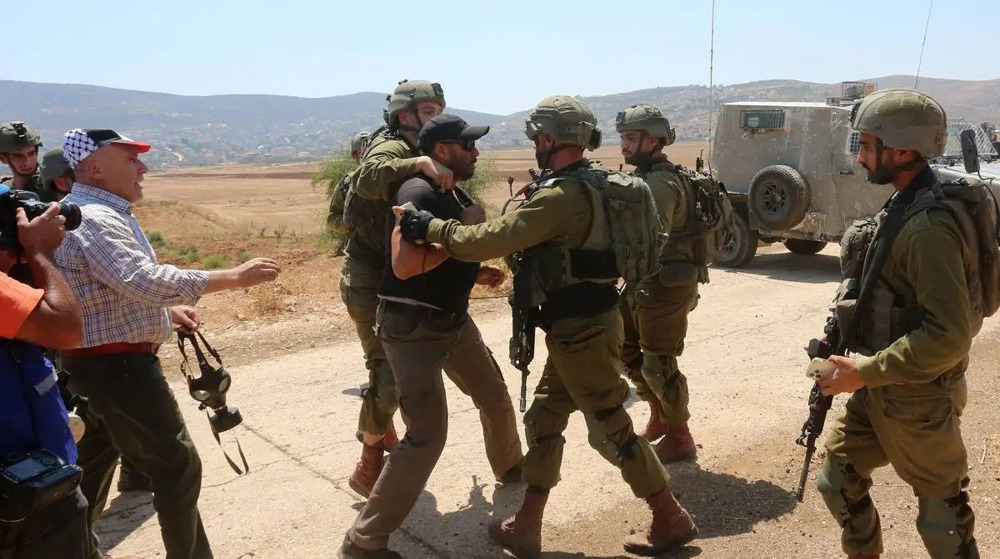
<point>11,199</point>
<point>35,480</point>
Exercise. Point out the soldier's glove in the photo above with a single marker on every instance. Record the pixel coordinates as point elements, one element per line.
<point>413,225</point>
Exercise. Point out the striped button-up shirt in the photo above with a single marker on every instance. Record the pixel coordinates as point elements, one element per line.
<point>112,269</point>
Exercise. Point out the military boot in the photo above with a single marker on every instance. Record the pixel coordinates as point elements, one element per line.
<point>350,551</point>
<point>522,533</point>
<point>678,444</point>
<point>367,469</point>
<point>671,528</point>
<point>655,428</point>
<point>863,555</point>
<point>131,479</point>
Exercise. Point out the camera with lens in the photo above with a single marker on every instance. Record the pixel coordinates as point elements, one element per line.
<point>210,387</point>
<point>32,481</point>
<point>11,199</point>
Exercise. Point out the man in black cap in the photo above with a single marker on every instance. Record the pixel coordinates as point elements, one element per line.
<point>425,327</point>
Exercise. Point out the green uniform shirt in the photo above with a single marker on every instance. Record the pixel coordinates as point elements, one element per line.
<point>925,267</point>
<point>559,213</point>
<point>384,168</point>
<point>671,197</point>
<point>379,176</point>
<point>34,185</point>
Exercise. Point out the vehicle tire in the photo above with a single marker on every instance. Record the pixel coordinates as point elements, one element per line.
<point>804,247</point>
<point>779,197</point>
<point>741,242</point>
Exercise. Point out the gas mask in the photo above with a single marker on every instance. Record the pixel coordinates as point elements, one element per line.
<point>209,390</point>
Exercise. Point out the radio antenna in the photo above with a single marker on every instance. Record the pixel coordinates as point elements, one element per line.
<point>711,86</point>
<point>923,44</point>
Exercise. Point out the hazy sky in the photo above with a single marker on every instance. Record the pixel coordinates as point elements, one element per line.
<point>499,56</point>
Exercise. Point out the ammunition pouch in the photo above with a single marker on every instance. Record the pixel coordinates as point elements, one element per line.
<point>592,264</point>
<point>887,319</point>
<point>677,273</point>
<point>577,301</point>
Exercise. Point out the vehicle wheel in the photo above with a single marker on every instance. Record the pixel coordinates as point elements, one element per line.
<point>804,247</point>
<point>779,197</point>
<point>741,242</point>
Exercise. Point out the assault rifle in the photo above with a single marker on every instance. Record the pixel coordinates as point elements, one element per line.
<point>819,404</point>
<point>522,340</point>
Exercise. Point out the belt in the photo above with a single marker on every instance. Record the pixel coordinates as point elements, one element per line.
<point>111,349</point>
<point>421,310</point>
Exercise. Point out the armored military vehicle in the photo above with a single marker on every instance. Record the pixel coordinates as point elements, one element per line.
<point>789,169</point>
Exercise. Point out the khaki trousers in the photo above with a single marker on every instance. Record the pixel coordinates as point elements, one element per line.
<point>581,373</point>
<point>914,428</point>
<point>419,343</point>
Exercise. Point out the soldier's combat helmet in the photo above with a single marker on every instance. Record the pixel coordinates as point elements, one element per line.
<point>566,119</point>
<point>406,96</point>
<point>358,141</point>
<point>53,165</point>
<point>645,118</point>
<point>903,119</point>
<point>15,135</point>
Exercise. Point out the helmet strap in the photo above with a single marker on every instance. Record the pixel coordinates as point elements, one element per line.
<point>885,175</point>
<point>640,158</point>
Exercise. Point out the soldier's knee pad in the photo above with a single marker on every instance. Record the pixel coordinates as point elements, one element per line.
<point>831,481</point>
<point>616,425</point>
<point>542,426</point>
<point>830,478</point>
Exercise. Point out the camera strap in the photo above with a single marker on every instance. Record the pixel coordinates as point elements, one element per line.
<point>203,364</point>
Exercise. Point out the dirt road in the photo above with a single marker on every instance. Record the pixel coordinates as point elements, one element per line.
<point>745,367</point>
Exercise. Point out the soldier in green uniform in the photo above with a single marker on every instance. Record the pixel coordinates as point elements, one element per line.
<point>909,323</point>
<point>19,151</point>
<point>56,174</point>
<point>391,157</point>
<point>582,325</point>
<point>656,324</point>
<point>335,218</point>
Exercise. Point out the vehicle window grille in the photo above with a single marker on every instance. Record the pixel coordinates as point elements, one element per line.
<point>854,143</point>
<point>763,119</point>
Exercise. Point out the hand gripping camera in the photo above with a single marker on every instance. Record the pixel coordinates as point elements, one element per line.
<point>11,199</point>
<point>209,390</point>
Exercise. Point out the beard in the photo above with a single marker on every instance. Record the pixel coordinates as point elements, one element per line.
<point>466,172</point>
<point>542,158</point>
<point>638,158</point>
<point>880,175</point>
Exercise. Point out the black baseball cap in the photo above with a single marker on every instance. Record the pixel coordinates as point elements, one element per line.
<point>444,128</point>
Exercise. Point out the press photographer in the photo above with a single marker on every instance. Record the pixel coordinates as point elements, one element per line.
<point>43,513</point>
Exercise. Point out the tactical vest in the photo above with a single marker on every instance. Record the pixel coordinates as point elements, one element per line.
<point>624,239</point>
<point>708,216</point>
<point>366,217</point>
<point>335,218</point>
<point>34,185</point>
<point>889,317</point>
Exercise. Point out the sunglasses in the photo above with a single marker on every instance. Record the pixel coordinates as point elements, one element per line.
<point>467,145</point>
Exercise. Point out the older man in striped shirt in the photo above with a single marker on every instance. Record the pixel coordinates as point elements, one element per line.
<point>130,304</point>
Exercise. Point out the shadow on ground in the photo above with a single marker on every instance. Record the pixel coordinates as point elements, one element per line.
<point>723,504</point>
<point>785,266</point>
<point>124,515</point>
